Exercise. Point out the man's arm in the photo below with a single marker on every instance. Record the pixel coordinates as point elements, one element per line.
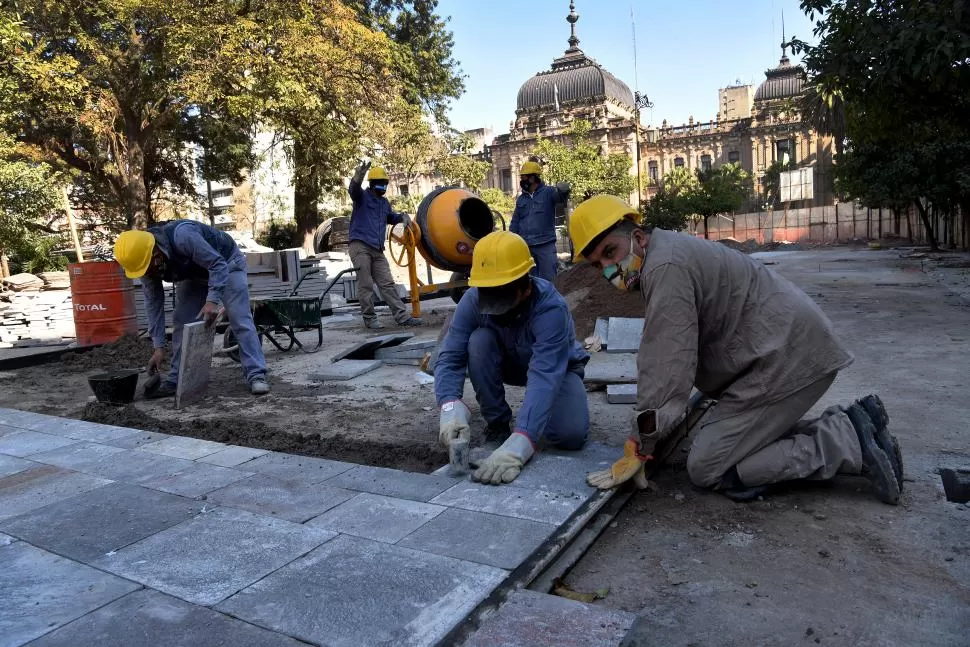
<point>452,362</point>
<point>547,368</point>
<point>515,223</point>
<point>355,190</point>
<point>191,243</point>
<point>562,192</point>
<point>155,309</point>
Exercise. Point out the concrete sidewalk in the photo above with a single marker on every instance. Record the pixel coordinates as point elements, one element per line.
<point>115,536</point>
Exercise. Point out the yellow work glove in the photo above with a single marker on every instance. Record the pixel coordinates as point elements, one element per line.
<point>628,467</point>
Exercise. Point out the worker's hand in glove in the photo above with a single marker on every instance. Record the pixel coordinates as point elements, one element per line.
<point>506,462</point>
<point>454,422</point>
<point>630,466</point>
<point>155,362</point>
<point>406,221</point>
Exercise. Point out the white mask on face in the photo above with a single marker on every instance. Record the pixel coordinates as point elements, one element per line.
<point>625,273</point>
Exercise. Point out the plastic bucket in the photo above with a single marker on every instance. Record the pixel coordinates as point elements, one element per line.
<point>114,387</point>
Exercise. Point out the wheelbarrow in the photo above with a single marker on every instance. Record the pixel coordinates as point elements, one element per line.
<point>278,319</point>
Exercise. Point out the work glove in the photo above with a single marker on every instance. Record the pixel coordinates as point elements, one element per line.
<point>630,466</point>
<point>506,462</point>
<point>564,189</point>
<point>453,422</point>
<point>406,221</point>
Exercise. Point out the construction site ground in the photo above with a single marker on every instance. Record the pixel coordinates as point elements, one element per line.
<point>825,564</point>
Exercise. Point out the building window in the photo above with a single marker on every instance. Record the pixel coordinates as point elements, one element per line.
<point>221,193</point>
<point>705,163</point>
<point>734,157</point>
<point>402,189</point>
<point>785,151</point>
<point>653,171</point>
<point>679,162</point>
<point>507,180</point>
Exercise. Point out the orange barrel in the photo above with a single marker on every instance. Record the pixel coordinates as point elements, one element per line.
<point>452,220</point>
<point>104,302</point>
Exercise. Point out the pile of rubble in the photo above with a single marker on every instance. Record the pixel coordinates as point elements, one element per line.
<point>36,310</point>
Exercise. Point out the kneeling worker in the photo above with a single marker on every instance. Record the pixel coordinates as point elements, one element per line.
<point>512,328</point>
<point>723,322</point>
<point>209,273</point>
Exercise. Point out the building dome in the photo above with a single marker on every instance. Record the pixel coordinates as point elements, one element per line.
<point>783,82</point>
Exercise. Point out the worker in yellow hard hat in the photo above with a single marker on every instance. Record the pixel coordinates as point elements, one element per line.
<point>368,229</point>
<point>534,217</point>
<point>209,273</point>
<point>717,320</point>
<point>512,328</point>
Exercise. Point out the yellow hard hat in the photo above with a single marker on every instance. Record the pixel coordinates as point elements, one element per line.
<point>530,168</point>
<point>133,251</point>
<point>498,259</point>
<point>594,216</point>
<point>377,173</point>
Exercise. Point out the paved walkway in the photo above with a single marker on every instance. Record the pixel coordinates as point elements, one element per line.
<point>114,536</point>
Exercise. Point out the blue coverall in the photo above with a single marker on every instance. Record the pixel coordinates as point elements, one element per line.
<point>534,219</point>
<point>539,352</point>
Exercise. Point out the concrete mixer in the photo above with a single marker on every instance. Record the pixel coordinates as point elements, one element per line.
<point>449,222</point>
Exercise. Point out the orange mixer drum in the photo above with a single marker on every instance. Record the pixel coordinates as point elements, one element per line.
<point>452,220</point>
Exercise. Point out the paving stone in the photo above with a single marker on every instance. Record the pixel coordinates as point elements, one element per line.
<point>39,486</point>
<point>138,439</point>
<point>602,330</point>
<point>403,485</point>
<point>413,348</point>
<point>621,393</point>
<point>210,557</point>
<point>606,368</point>
<point>479,537</point>
<point>183,447</point>
<point>195,479</point>
<point>624,334</point>
<point>345,369</point>
<point>511,501</point>
<point>555,470</point>
<point>25,443</point>
<point>351,592</point>
<point>377,517</point>
<point>136,466</point>
<point>194,363</point>
<point>6,540</point>
<point>42,591</point>
<point>272,496</point>
<point>23,419</point>
<point>87,526</point>
<point>128,621</point>
<point>7,429</point>
<point>76,456</point>
<point>406,361</point>
<point>541,620</point>
<point>90,431</point>
<point>367,348</point>
<point>291,467</point>
<point>11,465</point>
<point>232,456</point>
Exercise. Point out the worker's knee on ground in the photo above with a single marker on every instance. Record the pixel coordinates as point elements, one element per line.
<point>568,439</point>
<point>703,470</point>
<point>482,346</point>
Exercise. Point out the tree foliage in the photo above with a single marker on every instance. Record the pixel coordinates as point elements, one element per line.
<point>500,202</point>
<point>697,195</point>
<point>456,165</point>
<point>580,161</point>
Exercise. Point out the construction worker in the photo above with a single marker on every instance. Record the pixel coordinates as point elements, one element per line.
<point>368,228</point>
<point>512,328</point>
<point>209,273</point>
<point>723,322</point>
<point>534,217</point>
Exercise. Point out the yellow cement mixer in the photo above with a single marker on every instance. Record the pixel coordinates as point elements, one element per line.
<point>449,222</point>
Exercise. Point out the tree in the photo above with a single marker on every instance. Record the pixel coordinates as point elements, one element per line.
<point>666,211</point>
<point>722,189</point>
<point>457,166</point>
<point>577,160</point>
<point>410,146</point>
<point>771,182</point>
<point>500,202</point>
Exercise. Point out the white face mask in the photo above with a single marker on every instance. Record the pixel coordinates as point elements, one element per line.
<point>625,274</point>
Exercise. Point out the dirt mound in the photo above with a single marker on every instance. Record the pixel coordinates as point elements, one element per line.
<point>589,296</point>
<point>128,352</point>
<point>747,247</point>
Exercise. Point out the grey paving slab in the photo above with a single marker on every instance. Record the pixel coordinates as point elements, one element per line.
<point>291,467</point>
<point>413,348</point>
<point>76,456</point>
<point>183,447</point>
<point>42,591</point>
<point>195,479</point>
<point>194,363</point>
<point>90,431</point>
<point>11,465</point>
<point>479,537</point>
<point>136,466</point>
<point>366,348</point>
<point>42,485</point>
<point>352,592</point>
<point>565,472</point>
<point>624,334</point>
<point>512,501</point>
<point>6,540</point>
<point>272,496</point>
<point>7,429</point>
<point>542,620</point>
<point>211,556</point>
<point>23,419</point>
<point>607,368</point>
<point>403,485</point>
<point>345,369</point>
<point>146,615</point>
<point>377,517</point>
<point>87,526</point>
<point>232,456</point>
<point>25,443</point>
<point>621,393</point>
<point>138,439</point>
<point>601,329</point>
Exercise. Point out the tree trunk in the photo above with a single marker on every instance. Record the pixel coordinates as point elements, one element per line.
<point>208,195</point>
<point>909,225</point>
<point>925,217</point>
<point>706,229</point>
<point>139,211</point>
<point>306,191</point>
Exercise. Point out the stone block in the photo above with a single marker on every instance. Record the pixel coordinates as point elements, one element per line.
<point>138,439</point>
<point>542,620</point>
<point>511,501</point>
<point>76,456</point>
<point>194,363</point>
<point>367,348</point>
<point>602,330</point>
<point>413,348</point>
<point>621,393</point>
<point>6,540</point>
<point>7,429</point>
<point>395,483</point>
<point>129,620</point>
<point>405,361</point>
<point>555,470</point>
<point>194,479</point>
<point>272,496</point>
<point>210,557</point>
<point>376,517</point>
<point>624,334</point>
<point>42,591</point>
<point>232,456</point>
<point>345,369</point>
<point>25,443</point>
<point>39,486</point>
<point>351,592</point>
<point>89,431</point>
<point>136,466</point>
<point>479,537</point>
<point>11,465</point>
<point>605,368</point>
<point>292,467</point>
<point>183,447</point>
<point>106,519</point>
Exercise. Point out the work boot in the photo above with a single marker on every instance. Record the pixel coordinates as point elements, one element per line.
<point>876,466</point>
<point>497,432</point>
<point>164,390</point>
<point>373,324</point>
<point>259,386</point>
<point>887,442</point>
<point>732,487</point>
<point>411,322</point>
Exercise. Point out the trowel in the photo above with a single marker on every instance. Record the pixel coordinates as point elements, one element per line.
<point>152,383</point>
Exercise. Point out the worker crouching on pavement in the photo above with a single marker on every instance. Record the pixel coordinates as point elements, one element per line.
<point>512,328</point>
<point>209,273</point>
<point>368,228</point>
<point>534,218</point>
<point>723,322</point>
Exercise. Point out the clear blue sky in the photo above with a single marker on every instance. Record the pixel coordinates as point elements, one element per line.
<point>686,50</point>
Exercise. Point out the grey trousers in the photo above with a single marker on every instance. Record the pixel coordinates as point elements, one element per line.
<point>771,444</point>
<point>373,268</point>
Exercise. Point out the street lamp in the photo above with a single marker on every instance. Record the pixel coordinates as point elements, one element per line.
<point>640,101</point>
